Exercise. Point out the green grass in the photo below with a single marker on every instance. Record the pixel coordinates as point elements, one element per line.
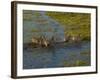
<point>73,23</point>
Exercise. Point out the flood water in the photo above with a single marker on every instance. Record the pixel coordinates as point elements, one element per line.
<point>59,55</point>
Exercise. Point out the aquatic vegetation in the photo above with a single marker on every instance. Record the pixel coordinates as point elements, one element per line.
<point>80,63</point>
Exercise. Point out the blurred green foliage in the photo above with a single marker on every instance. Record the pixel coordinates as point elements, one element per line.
<point>73,23</point>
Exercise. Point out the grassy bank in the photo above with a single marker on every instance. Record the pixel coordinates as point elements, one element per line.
<point>73,23</point>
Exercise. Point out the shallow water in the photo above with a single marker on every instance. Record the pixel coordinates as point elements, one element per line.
<point>59,55</point>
